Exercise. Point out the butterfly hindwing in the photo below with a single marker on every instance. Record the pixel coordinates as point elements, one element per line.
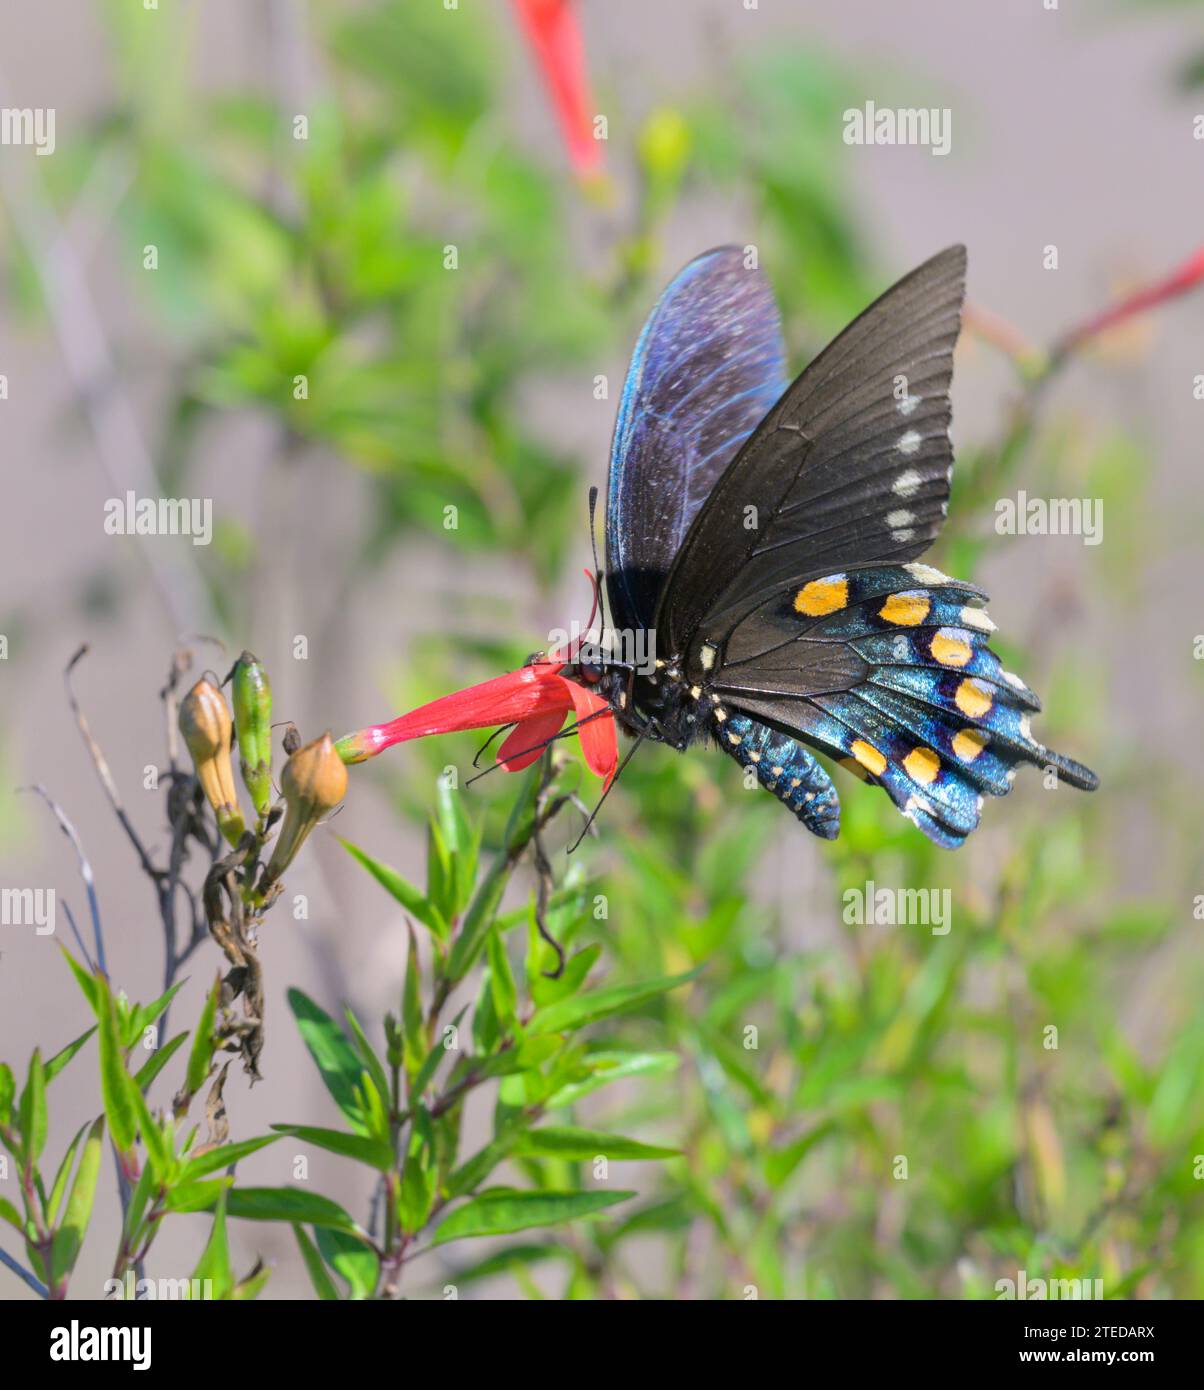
<point>708,366</point>
<point>932,716</point>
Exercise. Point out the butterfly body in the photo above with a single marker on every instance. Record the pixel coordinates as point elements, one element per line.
<point>765,536</point>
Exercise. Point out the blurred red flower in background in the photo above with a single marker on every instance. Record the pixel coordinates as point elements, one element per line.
<point>552,30</point>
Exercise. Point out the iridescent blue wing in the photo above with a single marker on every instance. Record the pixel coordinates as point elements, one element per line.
<point>708,366</point>
<point>887,668</point>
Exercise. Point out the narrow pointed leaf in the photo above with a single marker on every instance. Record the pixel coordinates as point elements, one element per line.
<point>201,1165</point>
<point>288,1204</point>
<point>569,1014</point>
<point>571,1142</point>
<point>500,1213</point>
<point>340,1068</point>
<point>61,1058</point>
<point>200,1056</point>
<point>69,1238</point>
<point>319,1275</point>
<point>32,1110</point>
<point>158,1059</point>
<point>416,903</point>
<point>214,1264</point>
<point>349,1257</point>
<point>356,1146</point>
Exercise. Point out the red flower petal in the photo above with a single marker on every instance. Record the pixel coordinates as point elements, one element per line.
<point>552,31</point>
<point>518,695</point>
<point>599,742</point>
<point>525,743</point>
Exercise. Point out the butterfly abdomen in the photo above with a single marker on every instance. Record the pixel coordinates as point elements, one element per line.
<point>782,766</point>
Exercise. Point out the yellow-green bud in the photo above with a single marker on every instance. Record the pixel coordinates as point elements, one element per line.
<point>207,728</point>
<point>313,783</point>
<point>252,699</point>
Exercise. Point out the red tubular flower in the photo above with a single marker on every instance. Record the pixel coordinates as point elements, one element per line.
<point>555,38</point>
<point>535,698</point>
<point>1186,277</point>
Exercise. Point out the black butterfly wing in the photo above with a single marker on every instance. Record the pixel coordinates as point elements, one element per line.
<point>707,367</point>
<point>797,602</point>
<point>851,465</point>
<point>887,668</point>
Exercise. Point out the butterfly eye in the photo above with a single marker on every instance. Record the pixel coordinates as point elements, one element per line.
<point>590,672</point>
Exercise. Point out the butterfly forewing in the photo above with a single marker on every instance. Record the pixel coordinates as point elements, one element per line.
<point>708,366</point>
<point>851,466</point>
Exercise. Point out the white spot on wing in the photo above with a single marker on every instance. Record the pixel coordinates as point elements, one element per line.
<point>900,518</point>
<point>908,404</point>
<point>926,574</point>
<point>977,617</point>
<point>909,442</point>
<point>906,483</point>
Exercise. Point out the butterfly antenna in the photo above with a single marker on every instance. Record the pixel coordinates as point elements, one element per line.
<point>599,601</point>
<point>536,747</point>
<point>593,815</point>
<point>476,761</point>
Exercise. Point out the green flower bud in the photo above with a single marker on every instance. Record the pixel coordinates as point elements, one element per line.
<point>207,729</point>
<point>252,698</point>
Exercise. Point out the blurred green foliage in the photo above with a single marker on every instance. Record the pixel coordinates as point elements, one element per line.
<point>863,1111</point>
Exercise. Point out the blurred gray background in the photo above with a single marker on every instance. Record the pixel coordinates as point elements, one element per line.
<point>1066,131</point>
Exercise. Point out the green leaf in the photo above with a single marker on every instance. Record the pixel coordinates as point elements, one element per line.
<point>139,1199</point>
<point>348,1256</point>
<point>477,920</point>
<point>201,1165</point>
<point>69,1238</point>
<point>356,1146</point>
<point>59,1189</point>
<point>321,1280</point>
<point>155,1136</point>
<point>458,837</point>
<point>568,1141</point>
<point>60,1059</point>
<point>288,1204</point>
<point>200,1056</point>
<point>10,1214</point>
<point>145,1014</point>
<point>498,1213</point>
<point>438,1051</point>
<point>155,1063</point>
<point>510,1257</point>
<point>195,1196</point>
<point>501,978</point>
<point>473,1171</point>
<point>440,874</point>
<point>416,1195</point>
<point>90,984</point>
<point>414,902</point>
<point>252,1286</point>
<point>335,1057</point>
<point>367,1054</point>
<point>214,1263</point>
<point>576,968</point>
<point>413,1027</point>
<point>8,1089</point>
<point>781,1163</point>
<point>570,1014</point>
<point>481,911</point>
<point>607,1066</point>
<point>31,1113</point>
